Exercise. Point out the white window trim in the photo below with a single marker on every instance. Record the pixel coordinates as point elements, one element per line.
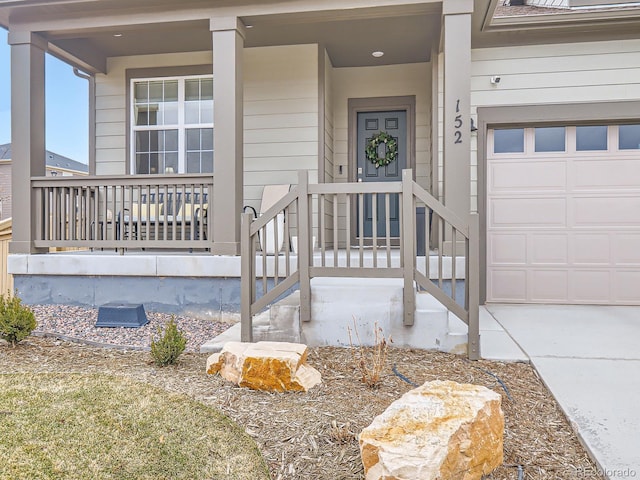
<point>181,126</point>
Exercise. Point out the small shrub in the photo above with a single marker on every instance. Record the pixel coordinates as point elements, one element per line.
<point>16,320</point>
<point>341,434</point>
<point>166,349</point>
<point>370,361</point>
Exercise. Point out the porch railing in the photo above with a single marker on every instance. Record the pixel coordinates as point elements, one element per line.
<point>364,230</point>
<point>142,211</point>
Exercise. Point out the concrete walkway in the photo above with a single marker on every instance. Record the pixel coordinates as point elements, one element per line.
<point>589,357</point>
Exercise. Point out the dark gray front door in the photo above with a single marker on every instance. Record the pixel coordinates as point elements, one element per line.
<point>370,124</point>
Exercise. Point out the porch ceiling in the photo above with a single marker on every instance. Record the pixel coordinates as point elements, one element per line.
<point>405,34</point>
<point>405,39</point>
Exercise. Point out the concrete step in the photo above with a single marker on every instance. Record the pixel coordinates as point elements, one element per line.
<point>345,311</point>
<point>283,321</point>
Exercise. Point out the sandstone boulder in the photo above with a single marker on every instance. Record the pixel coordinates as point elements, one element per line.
<point>442,430</point>
<point>270,366</point>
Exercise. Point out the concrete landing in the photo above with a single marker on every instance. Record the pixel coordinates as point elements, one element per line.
<point>588,357</point>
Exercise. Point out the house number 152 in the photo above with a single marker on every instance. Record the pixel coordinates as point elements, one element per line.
<point>458,124</point>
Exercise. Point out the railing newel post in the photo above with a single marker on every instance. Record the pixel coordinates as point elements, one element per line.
<point>304,245</point>
<point>408,234</point>
<point>247,279</point>
<point>472,266</point>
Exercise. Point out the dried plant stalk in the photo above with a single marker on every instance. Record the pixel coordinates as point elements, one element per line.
<point>370,365</point>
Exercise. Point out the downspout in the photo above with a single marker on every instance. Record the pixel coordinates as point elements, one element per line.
<point>92,117</point>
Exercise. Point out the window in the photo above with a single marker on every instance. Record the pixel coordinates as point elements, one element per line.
<point>591,138</point>
<point>508,140</point>
<point>550,139</point>
<point>629,137</point>
<point>172,122</point>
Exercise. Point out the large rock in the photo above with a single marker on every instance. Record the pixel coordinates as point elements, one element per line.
<point>441,430</point>
<point>271,366</point>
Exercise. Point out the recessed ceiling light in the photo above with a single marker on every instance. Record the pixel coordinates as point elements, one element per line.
<point>248,26</point>
<point>118,35</point>
<point>377,53</point>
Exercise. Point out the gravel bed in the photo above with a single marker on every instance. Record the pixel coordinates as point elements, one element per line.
<point>79,323</point>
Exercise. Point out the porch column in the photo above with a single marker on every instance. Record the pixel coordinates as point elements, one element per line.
<point>27,133</point>
<point>228,44</point>
<point>457,105</point>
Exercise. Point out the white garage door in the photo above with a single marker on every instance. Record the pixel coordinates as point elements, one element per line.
<point>563,215</point>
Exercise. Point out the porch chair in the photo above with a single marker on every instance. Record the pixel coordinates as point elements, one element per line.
<point>191,215</point>
<point>270,196</point>
<point>143,213</point>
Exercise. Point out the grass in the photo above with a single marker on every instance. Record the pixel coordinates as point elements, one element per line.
<point>71,426</point>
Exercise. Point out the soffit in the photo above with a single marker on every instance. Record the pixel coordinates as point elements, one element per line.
<point>405,37</point>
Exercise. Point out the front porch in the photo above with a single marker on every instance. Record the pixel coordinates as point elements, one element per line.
<point>270,91</point>
<point>282,250</point>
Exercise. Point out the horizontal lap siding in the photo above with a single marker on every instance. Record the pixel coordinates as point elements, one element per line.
<point>280,117</point>
<point>328,142</point>
<point>5,190</point>
<point>280,113</point>
<point>553,74</point>
<point>578,72</point>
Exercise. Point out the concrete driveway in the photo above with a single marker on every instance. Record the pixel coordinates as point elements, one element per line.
<point>589,357</point>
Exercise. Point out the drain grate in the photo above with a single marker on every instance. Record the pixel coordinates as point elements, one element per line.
<point>130,315</point>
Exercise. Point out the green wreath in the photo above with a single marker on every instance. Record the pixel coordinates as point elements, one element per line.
<point>391,150</point>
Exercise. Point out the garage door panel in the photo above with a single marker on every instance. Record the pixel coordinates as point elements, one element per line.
<point>548,285</point>
<point>528,212</point>
<point>591,249</point>
<point>508,285</point>
<point>590,286</point>
<point>608,211</point>
<point>549,249</point>
<point>508,249</point>
<point>605,174</point>
<point>564,227</point>
<point>523,177</point>
<point>625,286</point>
<point>626,251</point>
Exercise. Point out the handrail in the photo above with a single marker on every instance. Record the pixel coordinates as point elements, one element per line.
<point>276,208</point>
<point>100,180</point>
<point>123,211</point>
<point>390,248</point>
<point>439,209</point>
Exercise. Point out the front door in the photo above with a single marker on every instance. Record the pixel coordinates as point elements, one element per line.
<point>373,127</point>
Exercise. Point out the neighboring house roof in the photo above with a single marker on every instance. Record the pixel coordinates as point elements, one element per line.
<point>53,160</point>
<point>506,9</point>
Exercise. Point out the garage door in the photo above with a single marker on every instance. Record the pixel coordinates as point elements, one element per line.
<point>563,215</point>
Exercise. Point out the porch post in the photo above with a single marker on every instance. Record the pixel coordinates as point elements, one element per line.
<point>27,133</point>
<point>457,105</point>
<point>228,35</point>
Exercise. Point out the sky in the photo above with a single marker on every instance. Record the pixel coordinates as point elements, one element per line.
<point>67,111</point>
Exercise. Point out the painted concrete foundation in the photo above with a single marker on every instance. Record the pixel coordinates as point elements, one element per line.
<point>200,297</point>
<point>208,286</point>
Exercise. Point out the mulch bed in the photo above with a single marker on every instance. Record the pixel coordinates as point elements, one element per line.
<point>314,435</point>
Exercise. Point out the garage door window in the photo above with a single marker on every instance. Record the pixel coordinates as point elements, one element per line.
<point>591,138</point>
<point>629,137</point>
<point>508,140</point>
<point>550,139</point>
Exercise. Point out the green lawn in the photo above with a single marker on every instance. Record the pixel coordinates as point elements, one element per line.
<point>98,427</point>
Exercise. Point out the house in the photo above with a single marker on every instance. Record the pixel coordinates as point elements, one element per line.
<point>504,138</point>
<point>55,165</point>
